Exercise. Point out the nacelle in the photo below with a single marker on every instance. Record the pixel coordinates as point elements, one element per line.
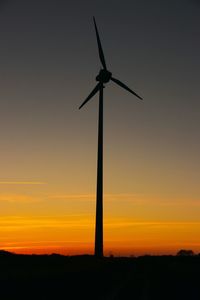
<point>103,76</point>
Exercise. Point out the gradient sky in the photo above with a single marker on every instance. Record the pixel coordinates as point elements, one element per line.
<point>49,60</point>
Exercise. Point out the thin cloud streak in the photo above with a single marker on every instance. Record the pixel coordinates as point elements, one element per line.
<point>23,182</point>
<point>136,199</point>
<point>73,196</point>
<point>133,199</point>
<point>19,198</point>
<point>124,223</point>
<point>85,221</point>
<point>89,197</point>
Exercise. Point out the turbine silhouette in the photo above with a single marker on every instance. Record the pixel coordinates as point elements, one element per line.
<point>103,77</point>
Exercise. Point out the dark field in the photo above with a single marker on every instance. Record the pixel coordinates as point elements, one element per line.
<point>84,277</point>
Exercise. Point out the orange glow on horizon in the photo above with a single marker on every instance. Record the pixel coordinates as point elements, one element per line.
<point>134,224</point>
<point>71,235</point>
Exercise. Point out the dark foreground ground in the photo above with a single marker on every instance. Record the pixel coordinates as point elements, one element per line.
<point>84,277</point>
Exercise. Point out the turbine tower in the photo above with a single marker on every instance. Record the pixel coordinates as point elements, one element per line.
<point>102,78</point>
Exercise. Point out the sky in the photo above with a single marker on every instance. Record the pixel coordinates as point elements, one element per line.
<point>48,150</point>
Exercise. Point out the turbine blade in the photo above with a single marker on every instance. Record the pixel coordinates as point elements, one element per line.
<point>125,87</point>
<point>94,91</point>
<point>101,55</point>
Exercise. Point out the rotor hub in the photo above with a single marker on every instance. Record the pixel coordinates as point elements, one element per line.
<point>104,76</point>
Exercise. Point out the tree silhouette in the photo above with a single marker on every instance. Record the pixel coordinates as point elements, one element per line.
<point>184,252</point>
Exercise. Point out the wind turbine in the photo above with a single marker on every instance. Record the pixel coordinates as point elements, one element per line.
<point>102,78</point>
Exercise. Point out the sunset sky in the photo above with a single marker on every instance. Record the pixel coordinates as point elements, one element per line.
<point>48,148</point>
